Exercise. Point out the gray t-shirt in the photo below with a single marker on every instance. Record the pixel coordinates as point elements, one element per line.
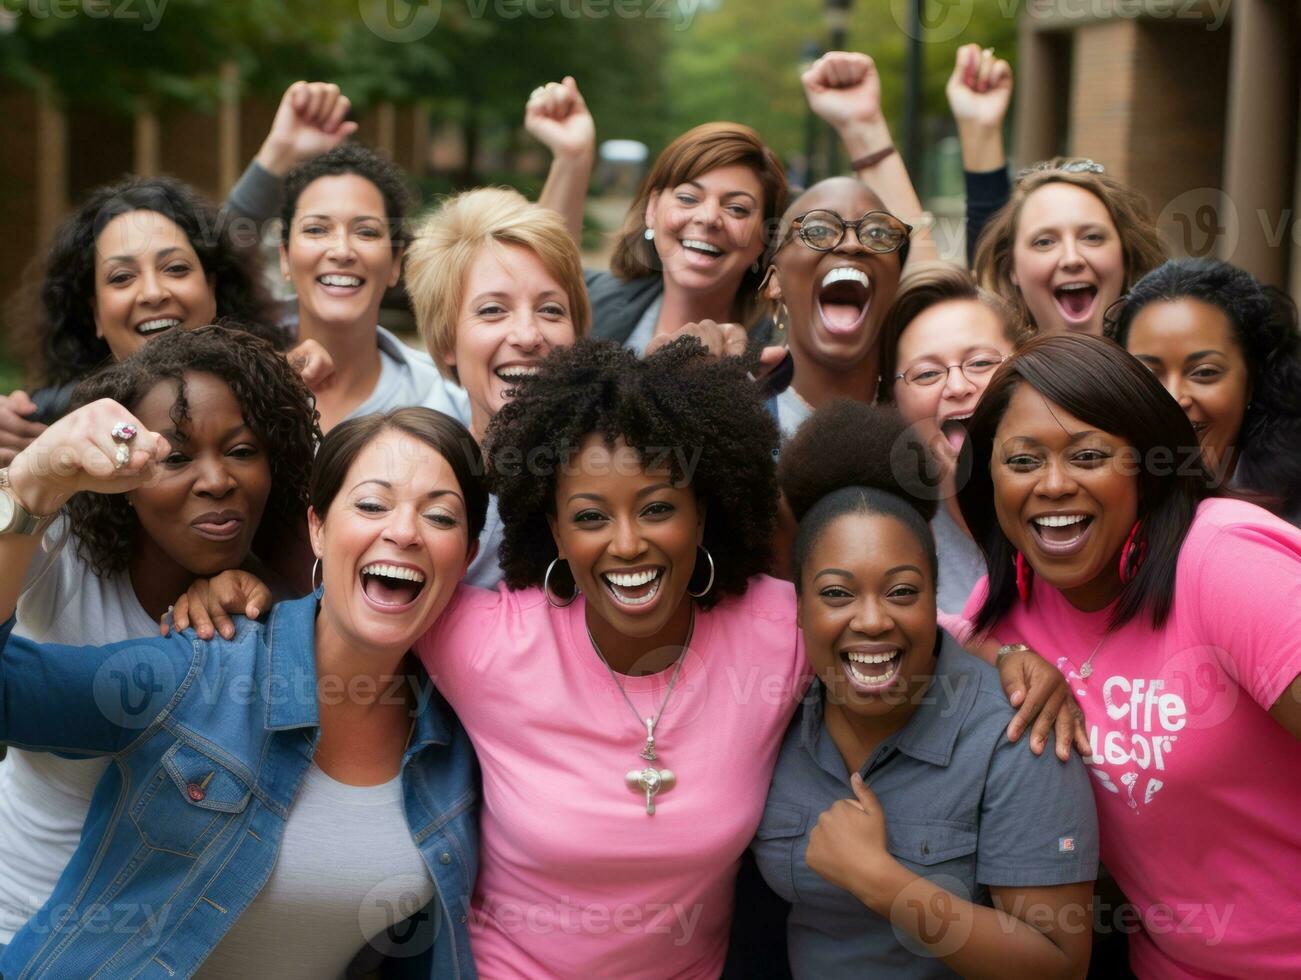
<point>792,410</point>
<point>961,563</point>
<point>347,870</point>
<point>407,378</point>
<point>44,799</point>
<point>964,808</point>
<point>644,332</point>
<point>484,571</point>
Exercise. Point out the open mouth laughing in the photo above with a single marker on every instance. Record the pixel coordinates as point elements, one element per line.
<point>150,328</point>
<point>954,430</point>
<point>697,246</point>
<point>391,586</point>
<point>1076,300</point>
<point>340,283</point>
<point>871,667</point>
<point>634,587</point>
<point>1061,535</point>
<point>843,299</point>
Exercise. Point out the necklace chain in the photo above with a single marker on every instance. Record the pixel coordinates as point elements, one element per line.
<point>1086,669</point>
<point>649,751</point>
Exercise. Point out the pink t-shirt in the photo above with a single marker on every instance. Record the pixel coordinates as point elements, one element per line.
<point>576,879</point>
<point>1199,800</point>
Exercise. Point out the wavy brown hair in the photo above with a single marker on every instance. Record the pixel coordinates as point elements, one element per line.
<point>1139,242</point>
<point>696,152</point>
<point>276,404</point>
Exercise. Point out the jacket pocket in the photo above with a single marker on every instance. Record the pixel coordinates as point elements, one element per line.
<point>939,850</point>
<point>188,802</point>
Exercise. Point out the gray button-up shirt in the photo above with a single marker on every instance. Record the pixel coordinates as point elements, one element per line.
<point>964,808</point>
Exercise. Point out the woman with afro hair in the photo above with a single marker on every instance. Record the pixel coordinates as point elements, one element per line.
<point>242,432</point>
<point>894,790</point>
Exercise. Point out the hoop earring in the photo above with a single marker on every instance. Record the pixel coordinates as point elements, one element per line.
<point>708,585</point>
<point>316,567</point>
<point>1131,555</point>
<point>546,587</point>
<point>1023,577</point>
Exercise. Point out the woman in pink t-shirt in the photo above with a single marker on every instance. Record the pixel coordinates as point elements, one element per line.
<point>1176,615</point>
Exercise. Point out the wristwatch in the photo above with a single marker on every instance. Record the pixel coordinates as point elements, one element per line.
<point>14,517</point>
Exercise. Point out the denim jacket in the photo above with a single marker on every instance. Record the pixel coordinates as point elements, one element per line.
<point>210,740</point>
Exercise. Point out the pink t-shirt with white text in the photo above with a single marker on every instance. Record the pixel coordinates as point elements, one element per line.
<point>1199,800</point>
<point>575,878</point>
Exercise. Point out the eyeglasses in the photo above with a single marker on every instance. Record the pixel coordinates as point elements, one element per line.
<point>975,369</point>
<point>1112,314</point>
<point>823,231</point>
<point>1081,165</point>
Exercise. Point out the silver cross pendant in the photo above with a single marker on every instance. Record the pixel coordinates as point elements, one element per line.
<point>650,782</point>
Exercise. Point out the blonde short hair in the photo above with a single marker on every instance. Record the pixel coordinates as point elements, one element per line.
<point>449,239</point>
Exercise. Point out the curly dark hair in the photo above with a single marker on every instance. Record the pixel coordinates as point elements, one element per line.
<point>277,406</point>
<point>846,459</point>
<point>678,403</point>
<point>1264,322</point>
<point>69,348</point>
<point>352,158</point>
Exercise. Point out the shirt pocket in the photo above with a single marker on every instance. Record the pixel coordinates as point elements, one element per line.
<point>941,851</point>
<point>775,851</point>
<point>188,802</point>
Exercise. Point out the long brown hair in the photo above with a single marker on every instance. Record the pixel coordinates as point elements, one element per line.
<point>1139,242</point>
<point>696,152</point>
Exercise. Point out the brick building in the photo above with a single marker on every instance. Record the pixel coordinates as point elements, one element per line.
<point>1192,102</point>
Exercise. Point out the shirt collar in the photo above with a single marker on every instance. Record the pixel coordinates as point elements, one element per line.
<point>933,729</point>
<point>292,697</point>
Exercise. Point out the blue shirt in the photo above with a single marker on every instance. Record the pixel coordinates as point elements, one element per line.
<point>210,742</point>
<point>964,807</point>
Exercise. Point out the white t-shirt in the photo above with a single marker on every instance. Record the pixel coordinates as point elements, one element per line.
<point>408,377</point>
<point>347,870</point>
<point>44,799</point>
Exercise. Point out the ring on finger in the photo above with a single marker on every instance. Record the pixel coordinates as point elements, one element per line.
<point>537,93</point>
<point>124,432</point>
<point>121,455</point>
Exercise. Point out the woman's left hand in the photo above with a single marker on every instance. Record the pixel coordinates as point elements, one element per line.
<point>557,117</point>
<point>1043,699</point>
<point>844,88</point>
<point>847,847</point>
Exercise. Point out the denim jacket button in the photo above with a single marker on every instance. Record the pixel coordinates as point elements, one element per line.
<point>195,792</point>
<point>463,918</point>
<point>445,858</point>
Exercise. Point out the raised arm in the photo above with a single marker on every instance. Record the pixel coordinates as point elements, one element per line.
<point>979,92</point>
<point>311,119</point>
<point>557,117</point>
<point>844,89</point>
<point>79,452</point>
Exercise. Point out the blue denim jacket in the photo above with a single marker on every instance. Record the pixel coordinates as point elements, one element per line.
<point>210,740</point>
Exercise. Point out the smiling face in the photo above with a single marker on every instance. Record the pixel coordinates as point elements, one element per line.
<point>708,230</point>
<point>836,300</point>
<point>1066,496</point>
<point>867,610</point>
<point>202,512</point>
<point>1190,346</point>
<point>629,535</point>
<point>339,255</point>
<point>513,315</point>
<point>939,398</point>
<point>1067,259</point>
<point>148,280</point>
<point>392,545</point>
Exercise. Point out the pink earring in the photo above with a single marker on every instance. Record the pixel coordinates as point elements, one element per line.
<point>1023,574</point>
<point>1131,555</point>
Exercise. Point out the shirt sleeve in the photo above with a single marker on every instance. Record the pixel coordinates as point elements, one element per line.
<point>987,191</point>
<point>1245,589</point>
<point>256,194</point>
<point>1038,824</point>
<point>87,700</point>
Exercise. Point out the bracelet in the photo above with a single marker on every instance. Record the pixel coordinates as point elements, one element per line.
<point>1008,648</point>
<point>872,159</point>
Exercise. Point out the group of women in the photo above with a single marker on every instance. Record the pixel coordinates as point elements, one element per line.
<point>588,621</point>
